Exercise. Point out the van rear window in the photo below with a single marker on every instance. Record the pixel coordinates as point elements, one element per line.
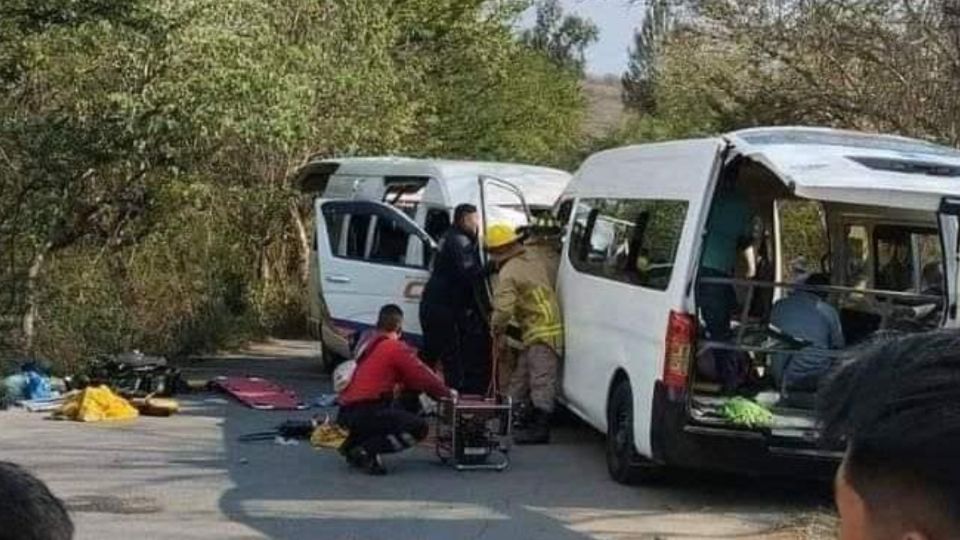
<point>629,240</point>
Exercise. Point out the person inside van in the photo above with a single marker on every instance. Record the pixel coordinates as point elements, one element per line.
<point>452,313</point>
<point>377,423</point>
<point>806,315</point>
<point>932,279</point>
<point>896,408</point>
<point>729,233</point>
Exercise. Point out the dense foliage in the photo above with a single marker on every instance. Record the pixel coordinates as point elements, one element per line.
<point>146,148</point>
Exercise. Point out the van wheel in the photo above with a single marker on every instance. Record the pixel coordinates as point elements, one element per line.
<point>625,465</point>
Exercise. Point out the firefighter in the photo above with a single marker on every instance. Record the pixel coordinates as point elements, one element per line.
<point>524,294</point>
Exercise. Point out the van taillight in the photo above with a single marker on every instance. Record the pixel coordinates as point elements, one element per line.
<point>681,335</point>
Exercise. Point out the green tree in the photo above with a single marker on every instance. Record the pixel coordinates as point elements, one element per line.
<point>146,148</point>
<point>562,38</point>
<point>640,76</point>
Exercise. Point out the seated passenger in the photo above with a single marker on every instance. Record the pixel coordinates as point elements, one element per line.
<point>932,279</point>
<point>805,315</point>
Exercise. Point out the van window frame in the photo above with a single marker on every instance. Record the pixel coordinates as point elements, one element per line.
<point>573,249</point>
<point>347,209</point>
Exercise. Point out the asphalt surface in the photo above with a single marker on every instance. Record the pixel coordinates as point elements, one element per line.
<point>187,477</point>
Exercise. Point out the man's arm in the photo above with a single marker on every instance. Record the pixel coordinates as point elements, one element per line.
<point>416,376</point>
<point>504,302</point>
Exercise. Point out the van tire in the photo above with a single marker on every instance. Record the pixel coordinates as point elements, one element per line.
<point>624,464</point>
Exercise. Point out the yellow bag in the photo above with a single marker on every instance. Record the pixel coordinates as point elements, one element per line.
<point>95,404</point>
<point>328,435</point>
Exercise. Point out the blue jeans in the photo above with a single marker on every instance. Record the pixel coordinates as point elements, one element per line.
<point>717,303</point>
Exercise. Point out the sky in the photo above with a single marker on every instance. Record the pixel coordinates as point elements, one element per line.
<point>616,20</point>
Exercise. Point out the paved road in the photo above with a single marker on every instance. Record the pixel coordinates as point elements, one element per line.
<point>186,477</point>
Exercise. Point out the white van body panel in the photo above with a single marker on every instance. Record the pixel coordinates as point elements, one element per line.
<point>823,164</point>
<point>354,290</point>
<point>452,182</point>
<point>446,184</point>
<point>613,325</point>
<point>619,326</point>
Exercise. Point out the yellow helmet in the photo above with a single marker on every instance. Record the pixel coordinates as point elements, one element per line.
<point>499,235</point>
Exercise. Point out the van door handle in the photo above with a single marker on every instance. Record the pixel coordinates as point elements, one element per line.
<point>338,279</point>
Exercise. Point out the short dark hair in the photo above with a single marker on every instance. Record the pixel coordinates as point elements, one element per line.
<point>462,211</point>
<point>28,510</point>
<point>897,408</point>
<point>390,318</point>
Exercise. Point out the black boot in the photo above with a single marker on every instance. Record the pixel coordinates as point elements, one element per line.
<point>537,431</point>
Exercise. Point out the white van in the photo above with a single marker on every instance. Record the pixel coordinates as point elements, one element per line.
<point>876,213</point>
<point>376,223</point>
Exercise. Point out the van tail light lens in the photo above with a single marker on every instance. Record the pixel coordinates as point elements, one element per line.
<point>681,337</point>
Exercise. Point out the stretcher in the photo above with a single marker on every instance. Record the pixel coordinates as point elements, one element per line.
<point>474,432</point>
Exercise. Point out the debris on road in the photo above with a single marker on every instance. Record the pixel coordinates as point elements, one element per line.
<point>328,435</point>
<point>325,401</point>
<point>153,406</point>
<point>131,374</point>
<point>95,404</point>
<point>259,393</point>
<point>290,429</point>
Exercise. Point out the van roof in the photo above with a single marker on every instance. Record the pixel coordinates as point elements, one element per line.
<point>541,185</point>
<point>816,163</point>
<point>855,167</point>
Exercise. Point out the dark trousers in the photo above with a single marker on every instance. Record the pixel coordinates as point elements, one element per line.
<point>460,342</point>
<point>717,303</point>
<point>381,427</point>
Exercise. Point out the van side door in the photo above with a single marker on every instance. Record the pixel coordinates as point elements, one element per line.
<point>370,254</point>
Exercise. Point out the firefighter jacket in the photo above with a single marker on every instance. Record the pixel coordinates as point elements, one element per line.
<point>523,292</point>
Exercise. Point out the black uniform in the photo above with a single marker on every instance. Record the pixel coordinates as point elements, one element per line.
<point>452,314</point>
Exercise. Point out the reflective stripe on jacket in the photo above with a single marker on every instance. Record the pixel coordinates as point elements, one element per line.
<point>523,292</point>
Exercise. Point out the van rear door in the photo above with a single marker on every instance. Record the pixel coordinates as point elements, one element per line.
<point>370,254</point>
<point>949,218</point>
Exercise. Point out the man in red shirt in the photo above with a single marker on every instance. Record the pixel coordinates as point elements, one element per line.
<point>377,425</point>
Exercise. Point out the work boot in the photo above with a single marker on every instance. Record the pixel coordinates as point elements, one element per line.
<point>376,466</point>
<point>356,457</point>
<point>522,411</point>
<point>537,431</point>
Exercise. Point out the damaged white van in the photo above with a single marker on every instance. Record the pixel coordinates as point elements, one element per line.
<point>875,216</point>
<point>376,223</point>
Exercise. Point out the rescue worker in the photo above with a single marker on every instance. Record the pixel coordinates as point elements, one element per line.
<point>729,233</point>
<point>452,309</point>
<point>376,422</point>
<point>524,294</point>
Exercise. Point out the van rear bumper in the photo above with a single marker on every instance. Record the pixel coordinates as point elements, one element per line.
<point>678,442</point>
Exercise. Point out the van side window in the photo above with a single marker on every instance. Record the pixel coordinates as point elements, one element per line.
<point>360,234</point>
<point>357,233</point>
<point>629,240</point>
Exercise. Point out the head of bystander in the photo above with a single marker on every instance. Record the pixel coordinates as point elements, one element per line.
<point>897,410</point>
<point>28,510</point>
